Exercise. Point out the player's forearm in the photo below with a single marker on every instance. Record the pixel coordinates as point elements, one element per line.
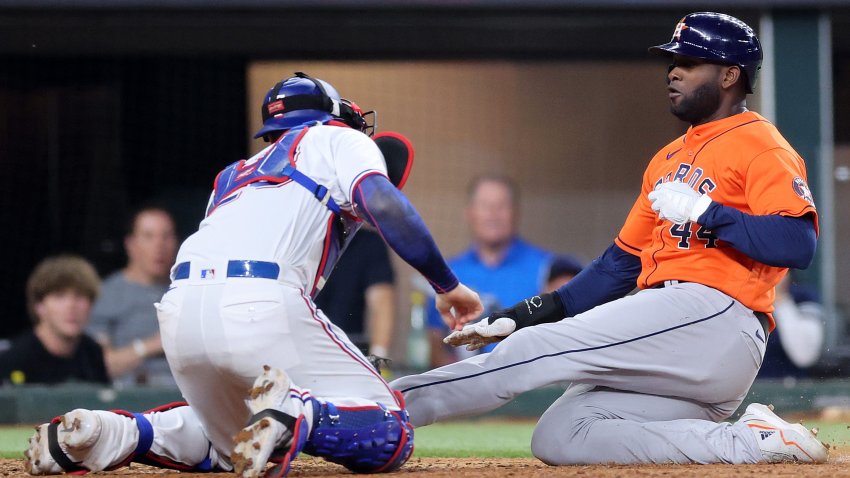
<point>610,276</point>
<point>403,229</point>
<point>775,240</point>
<point>121,360</point>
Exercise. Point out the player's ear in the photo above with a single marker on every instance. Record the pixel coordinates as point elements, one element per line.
<point>732,75</point>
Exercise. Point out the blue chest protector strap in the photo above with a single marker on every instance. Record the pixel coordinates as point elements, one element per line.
<point>276,166</point>
<point>320,192</point>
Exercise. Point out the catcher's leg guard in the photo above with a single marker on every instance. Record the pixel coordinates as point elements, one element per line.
<point>96,440</point>
<point>362,439</point>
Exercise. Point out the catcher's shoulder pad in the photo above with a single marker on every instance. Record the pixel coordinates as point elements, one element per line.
<point>398,154</point>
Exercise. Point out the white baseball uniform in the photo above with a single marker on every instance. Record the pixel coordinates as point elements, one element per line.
<point>219,326</point>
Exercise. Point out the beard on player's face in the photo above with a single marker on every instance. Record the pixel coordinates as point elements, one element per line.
<point>699,104</point>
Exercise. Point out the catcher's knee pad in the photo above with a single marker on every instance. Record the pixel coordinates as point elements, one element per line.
<point>362,439</point>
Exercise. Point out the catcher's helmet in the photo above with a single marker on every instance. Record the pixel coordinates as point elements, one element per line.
<point>718,38</point>
<point>303,99</point>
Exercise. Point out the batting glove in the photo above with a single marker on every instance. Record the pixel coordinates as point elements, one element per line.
<point>481,333</point>
<point>678,203</point>
<point>534,310</point>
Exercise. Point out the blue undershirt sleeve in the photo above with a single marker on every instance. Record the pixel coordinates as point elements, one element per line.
<point>775,240</point>
<point>610,276</point>
<point>397,221</point>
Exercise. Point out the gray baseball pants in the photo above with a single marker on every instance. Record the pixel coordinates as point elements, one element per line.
<point>651,376</point>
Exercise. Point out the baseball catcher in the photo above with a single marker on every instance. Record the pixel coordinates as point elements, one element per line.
<point>241,304</point>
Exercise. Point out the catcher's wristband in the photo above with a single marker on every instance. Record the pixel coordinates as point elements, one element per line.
<point>540,309</point>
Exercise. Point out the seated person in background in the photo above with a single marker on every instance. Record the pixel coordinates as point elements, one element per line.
<point>359,297</point>
<point>796,343</point>
<point>562,270</point>
<point>124,319</point>
<point>499,265</point>
<point>60,292</point>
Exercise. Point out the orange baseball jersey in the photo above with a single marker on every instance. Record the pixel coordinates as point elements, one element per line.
<point>742,162</point>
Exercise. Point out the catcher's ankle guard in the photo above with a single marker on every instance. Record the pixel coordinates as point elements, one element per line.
<point>362,439</point>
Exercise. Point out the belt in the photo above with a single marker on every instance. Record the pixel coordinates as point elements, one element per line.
<point>764,320</point>
<point>248,269</point>
<point>668,283</point>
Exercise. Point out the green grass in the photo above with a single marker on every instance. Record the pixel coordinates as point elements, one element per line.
<point>835,434</point>
<point>478,439</point>
<point>13,441</point>
<point>459,439</point>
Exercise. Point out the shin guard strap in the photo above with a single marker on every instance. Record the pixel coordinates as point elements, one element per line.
<point>56,452</point>
<point>145,435</point>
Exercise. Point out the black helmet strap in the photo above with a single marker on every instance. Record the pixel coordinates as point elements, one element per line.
<point>339,109</point>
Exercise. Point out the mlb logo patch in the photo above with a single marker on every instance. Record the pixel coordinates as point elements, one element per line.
<point>207,273</point>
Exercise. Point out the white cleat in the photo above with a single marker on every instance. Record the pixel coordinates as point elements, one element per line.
<point>37,457</point>
<point>76,433</point>
<point>83,440</point>
<point>82,430</point>
<point>273,431</point>
<point>781,441</point>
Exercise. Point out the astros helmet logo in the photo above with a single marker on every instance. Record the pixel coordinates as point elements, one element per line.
<point>677,33</point>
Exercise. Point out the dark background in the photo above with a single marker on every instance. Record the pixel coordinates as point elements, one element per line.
<point>108,105</point>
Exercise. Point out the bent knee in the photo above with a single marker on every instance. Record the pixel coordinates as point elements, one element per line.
<point>558,446</point>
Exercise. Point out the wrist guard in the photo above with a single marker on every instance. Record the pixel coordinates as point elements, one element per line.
<point>539,309</point>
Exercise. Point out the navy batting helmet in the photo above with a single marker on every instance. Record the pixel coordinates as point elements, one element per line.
<point>303,99</point>
<point>716,37</point>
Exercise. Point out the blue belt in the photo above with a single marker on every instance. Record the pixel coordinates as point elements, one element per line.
<point>249,269</point>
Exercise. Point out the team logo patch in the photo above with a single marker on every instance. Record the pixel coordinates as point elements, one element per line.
<point>677,33</point>
<point>802,189</point>
<point>275,106</point>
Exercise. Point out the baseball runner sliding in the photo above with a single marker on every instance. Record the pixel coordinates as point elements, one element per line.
<point>723,212</point>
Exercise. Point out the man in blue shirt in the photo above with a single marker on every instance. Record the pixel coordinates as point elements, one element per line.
<point>500,266</point>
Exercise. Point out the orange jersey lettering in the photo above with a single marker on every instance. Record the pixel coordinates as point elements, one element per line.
<point>742,162</point>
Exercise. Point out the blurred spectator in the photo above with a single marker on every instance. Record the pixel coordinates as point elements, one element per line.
<point>499,265</point>
<point>796,343</point>
<point>562,269</point>
<point>124,319</point>
<point>60,292</point>
<point>360,297</point>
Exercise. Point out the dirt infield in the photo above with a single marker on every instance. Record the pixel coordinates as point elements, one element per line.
<point>839,465</point>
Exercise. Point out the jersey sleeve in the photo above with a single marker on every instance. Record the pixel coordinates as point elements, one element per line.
<point>355,156</point>
<point>636,233</point>
<point>776,184</point>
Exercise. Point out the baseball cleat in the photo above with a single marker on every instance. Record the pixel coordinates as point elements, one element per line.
<point>781,441</point>
<point>276,432</point>
<point>81,441</point>
<point>76,432</point>
<point>37,457</point>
